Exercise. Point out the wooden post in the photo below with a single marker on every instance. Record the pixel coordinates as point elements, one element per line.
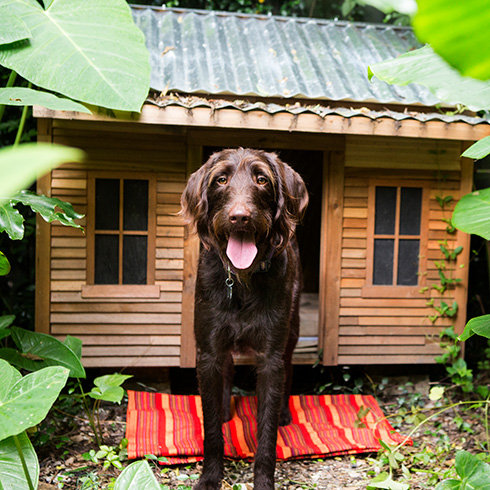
<point>191,258</point>
<point>43,242</point>
<point>331,258</point>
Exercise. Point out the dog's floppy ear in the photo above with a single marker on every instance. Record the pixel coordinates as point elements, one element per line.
<point>194,200</point>
<point>291,199</point>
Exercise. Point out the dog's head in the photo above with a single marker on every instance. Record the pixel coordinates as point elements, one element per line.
<point>242,201</point>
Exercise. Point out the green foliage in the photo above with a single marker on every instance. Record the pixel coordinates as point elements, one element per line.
<point>25,401</point>
<point>479,150</point>
<point>37,350</point>
<point>472,472</point>
<point>108,388</point>
<point>29,161</point>
<point>479,325</point>
<point>23,96</point>
<point>4,265</point>
<point>137,476</point>
<point>90,51</point>
<point>12,28</point>
<point>109,455</point>
<point>424,67</point>
<point>458,31</point>
<point>12,473</point>
<point>385,480</point>
<point>472,213</point>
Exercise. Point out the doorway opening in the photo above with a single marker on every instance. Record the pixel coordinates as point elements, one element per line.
<point>309,164</point>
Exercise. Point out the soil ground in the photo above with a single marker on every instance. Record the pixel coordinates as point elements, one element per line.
<point>435,444</point>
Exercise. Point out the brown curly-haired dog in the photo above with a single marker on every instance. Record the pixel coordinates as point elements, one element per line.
<point>245,205</point>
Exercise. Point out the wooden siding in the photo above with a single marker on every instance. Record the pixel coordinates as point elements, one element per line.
<point>120,329</point>
<point>384,325</point>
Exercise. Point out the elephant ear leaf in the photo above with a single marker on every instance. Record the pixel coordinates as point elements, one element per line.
<point>90,51</point>
<point>472,213</point>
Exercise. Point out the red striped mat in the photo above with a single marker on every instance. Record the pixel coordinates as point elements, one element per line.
<point>327,425</point>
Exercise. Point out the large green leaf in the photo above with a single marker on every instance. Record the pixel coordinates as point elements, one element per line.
<point>472,213</point>
<point>479,325</point>
<point>478,150</point>
<point>47,208</point>
<point>12,28</point>
<point>11,473</point>
<point>137,476</point>
<point>29,400</point>
<point>458,31</point>
<point>88,50</point>
<point>474,473</point>
<point>31,161</point>
<point>38,350</point>
<point>424,67</point>
<point>10,376</point>
<point>21,96</point>
<point>11,221</point>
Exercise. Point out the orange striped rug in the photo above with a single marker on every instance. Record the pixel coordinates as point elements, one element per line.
<point>327,425</point>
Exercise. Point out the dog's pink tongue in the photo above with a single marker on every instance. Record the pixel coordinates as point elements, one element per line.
<point>241,250</point>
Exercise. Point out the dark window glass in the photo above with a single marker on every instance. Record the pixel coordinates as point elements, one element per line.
<point>408,262</point>
<point>106,204</point>
<point>106,259</point>
<point>385,213</point>
<point>135,205</point>
<point>134,259</point>
<point>410,210</point>
<point>383,262</point>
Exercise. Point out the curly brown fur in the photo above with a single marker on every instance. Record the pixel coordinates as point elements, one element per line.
<point>252,194</point>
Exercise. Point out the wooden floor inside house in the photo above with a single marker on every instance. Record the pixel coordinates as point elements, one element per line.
<point>307,347</point>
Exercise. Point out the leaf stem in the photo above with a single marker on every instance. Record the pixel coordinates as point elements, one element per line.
<point>444,409</point>
<point>10,83</point>
<point>89,413</point>
<point>23,462</point>
<point>22,122</point>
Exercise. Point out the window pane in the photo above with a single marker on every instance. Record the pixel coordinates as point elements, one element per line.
<point>383,262</point>
<point>135,205</point>
<point>106,259</point>
<point>410,210</point>
<point>106,204</point>
<point>385,211</point>
<point>408,262</point>
<point>134,259</point>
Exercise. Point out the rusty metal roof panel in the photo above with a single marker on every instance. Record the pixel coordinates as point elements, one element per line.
<point>207,52</point>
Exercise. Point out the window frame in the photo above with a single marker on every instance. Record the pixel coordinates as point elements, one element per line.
<point>148,290</point>
<point>394,290</point>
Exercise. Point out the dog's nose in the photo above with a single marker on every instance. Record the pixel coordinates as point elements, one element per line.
<point>239,215</point>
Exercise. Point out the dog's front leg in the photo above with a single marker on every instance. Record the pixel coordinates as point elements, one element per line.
<point>270,386</point>
<point>210,375</point>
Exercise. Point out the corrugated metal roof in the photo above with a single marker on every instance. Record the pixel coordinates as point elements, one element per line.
<point>191,102</point>
<point>211,52</point>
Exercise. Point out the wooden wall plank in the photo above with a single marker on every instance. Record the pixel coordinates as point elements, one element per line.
<point>108,319</point>
<point>43,239</point>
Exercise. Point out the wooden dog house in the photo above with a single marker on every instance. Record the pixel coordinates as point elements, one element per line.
<point>379,162</point>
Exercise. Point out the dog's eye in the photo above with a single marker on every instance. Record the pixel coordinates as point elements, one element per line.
<point>261,180</point>
<point>222,180</point>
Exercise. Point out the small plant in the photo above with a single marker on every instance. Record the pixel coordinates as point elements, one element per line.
<point>109,455</point>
